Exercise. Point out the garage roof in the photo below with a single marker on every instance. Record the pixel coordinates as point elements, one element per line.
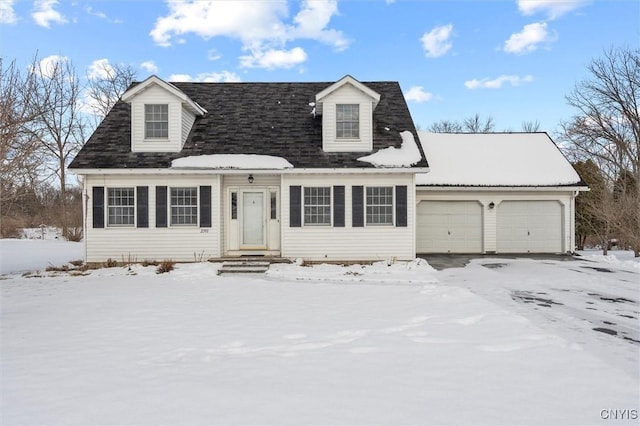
<point>495,159</point>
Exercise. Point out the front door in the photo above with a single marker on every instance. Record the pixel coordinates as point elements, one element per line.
<point>253,220</point>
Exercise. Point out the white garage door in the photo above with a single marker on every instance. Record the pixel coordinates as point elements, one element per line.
<point>529,227</point>
<point>449,227</point>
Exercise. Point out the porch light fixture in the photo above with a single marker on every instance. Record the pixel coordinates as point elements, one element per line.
<point>250,179</point>
<point>491,205</point>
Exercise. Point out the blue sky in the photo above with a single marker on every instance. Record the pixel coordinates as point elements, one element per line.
<point>513,60</point>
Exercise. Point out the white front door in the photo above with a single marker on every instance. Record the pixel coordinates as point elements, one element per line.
<point>253,223</point>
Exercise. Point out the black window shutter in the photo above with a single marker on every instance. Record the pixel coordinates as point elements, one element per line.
<point>98,206</point>
<point>295,204</point>
<point>338,206</point>
<point>161,206</point>
<point>142,206</point>
<point>401,205</point>
<point>357,206</point>
<point>205,206</point>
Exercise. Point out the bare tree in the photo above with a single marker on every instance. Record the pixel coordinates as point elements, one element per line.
<point>445,126</point>
<point>59,127</point>
<point>606,129</point>
<point>106,85</point>
<point>20,162</point>
<point>531,126</point>
<point>476,124</point>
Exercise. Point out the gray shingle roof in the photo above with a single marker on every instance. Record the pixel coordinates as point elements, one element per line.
<point>250,118</point>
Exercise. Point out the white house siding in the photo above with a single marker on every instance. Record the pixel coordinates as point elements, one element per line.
<point>490,215</point>
<point>320,243</point>
<point>347,94</point>
<point>156,95</point>
<point>178,243</point>
<point>187,123</point>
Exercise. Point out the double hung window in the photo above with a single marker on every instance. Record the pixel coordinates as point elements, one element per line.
<point>184,206</point>
<point>317,205</point>
<point>121,206</point>
<point>379,205</point>
<point>347,121</point>
<point>156,121</point>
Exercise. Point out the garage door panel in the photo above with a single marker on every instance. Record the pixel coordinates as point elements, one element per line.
<point>529,227</point>
<point>449,226</point>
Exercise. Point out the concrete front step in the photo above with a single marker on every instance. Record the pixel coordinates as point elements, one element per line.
<point>243,267</point>
<point>242,270</point>
<point>268,259</point>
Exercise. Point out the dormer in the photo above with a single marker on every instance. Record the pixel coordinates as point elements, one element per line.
<point>161,116</point>
<point>347,116</point>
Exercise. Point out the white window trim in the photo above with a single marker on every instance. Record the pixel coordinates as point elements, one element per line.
<point>170,206</point>
<point>348,138</point>
<point>331,204</point>
<point>155,139</point>
<point>135,208</point>
<point>393,207</point>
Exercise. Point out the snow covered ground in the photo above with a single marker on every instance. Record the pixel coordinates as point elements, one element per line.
<point>500,341</point>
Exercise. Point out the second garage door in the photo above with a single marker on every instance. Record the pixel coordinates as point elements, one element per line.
<point>449,227</point>
<point>529,227</point>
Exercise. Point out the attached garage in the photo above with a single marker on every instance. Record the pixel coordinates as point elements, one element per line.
<point>449,227</point>
<point>495,193</point>
<point>529,227</point>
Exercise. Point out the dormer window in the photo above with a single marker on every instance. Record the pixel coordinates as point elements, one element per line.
<point>347,121</point>
<point>156,121</point>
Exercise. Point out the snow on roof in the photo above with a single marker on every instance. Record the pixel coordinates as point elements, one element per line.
<point>232,161</point>
<point>494,159</point>
<point>406,156</point>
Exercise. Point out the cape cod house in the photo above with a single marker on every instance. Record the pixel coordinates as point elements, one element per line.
<point>319,171</point>
<point>199,170</point>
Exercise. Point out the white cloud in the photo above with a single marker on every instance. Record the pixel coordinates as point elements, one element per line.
<point>100,69</point>
<point>528,40</point>
<point>150,67</point>
<point>417,94</point>
<point>44,13</point>
<point>261,26</point>
<point>97,13</point>
<point>211,77</point>
<point>437,41</point>
<point>249,21</point>
<point>272,58</point>
<point>213,55</point>
<point>312,20</point>
<point>47,66</point>
<point>553,8</point>
<point>497,83</point>
<point>7,14</point>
